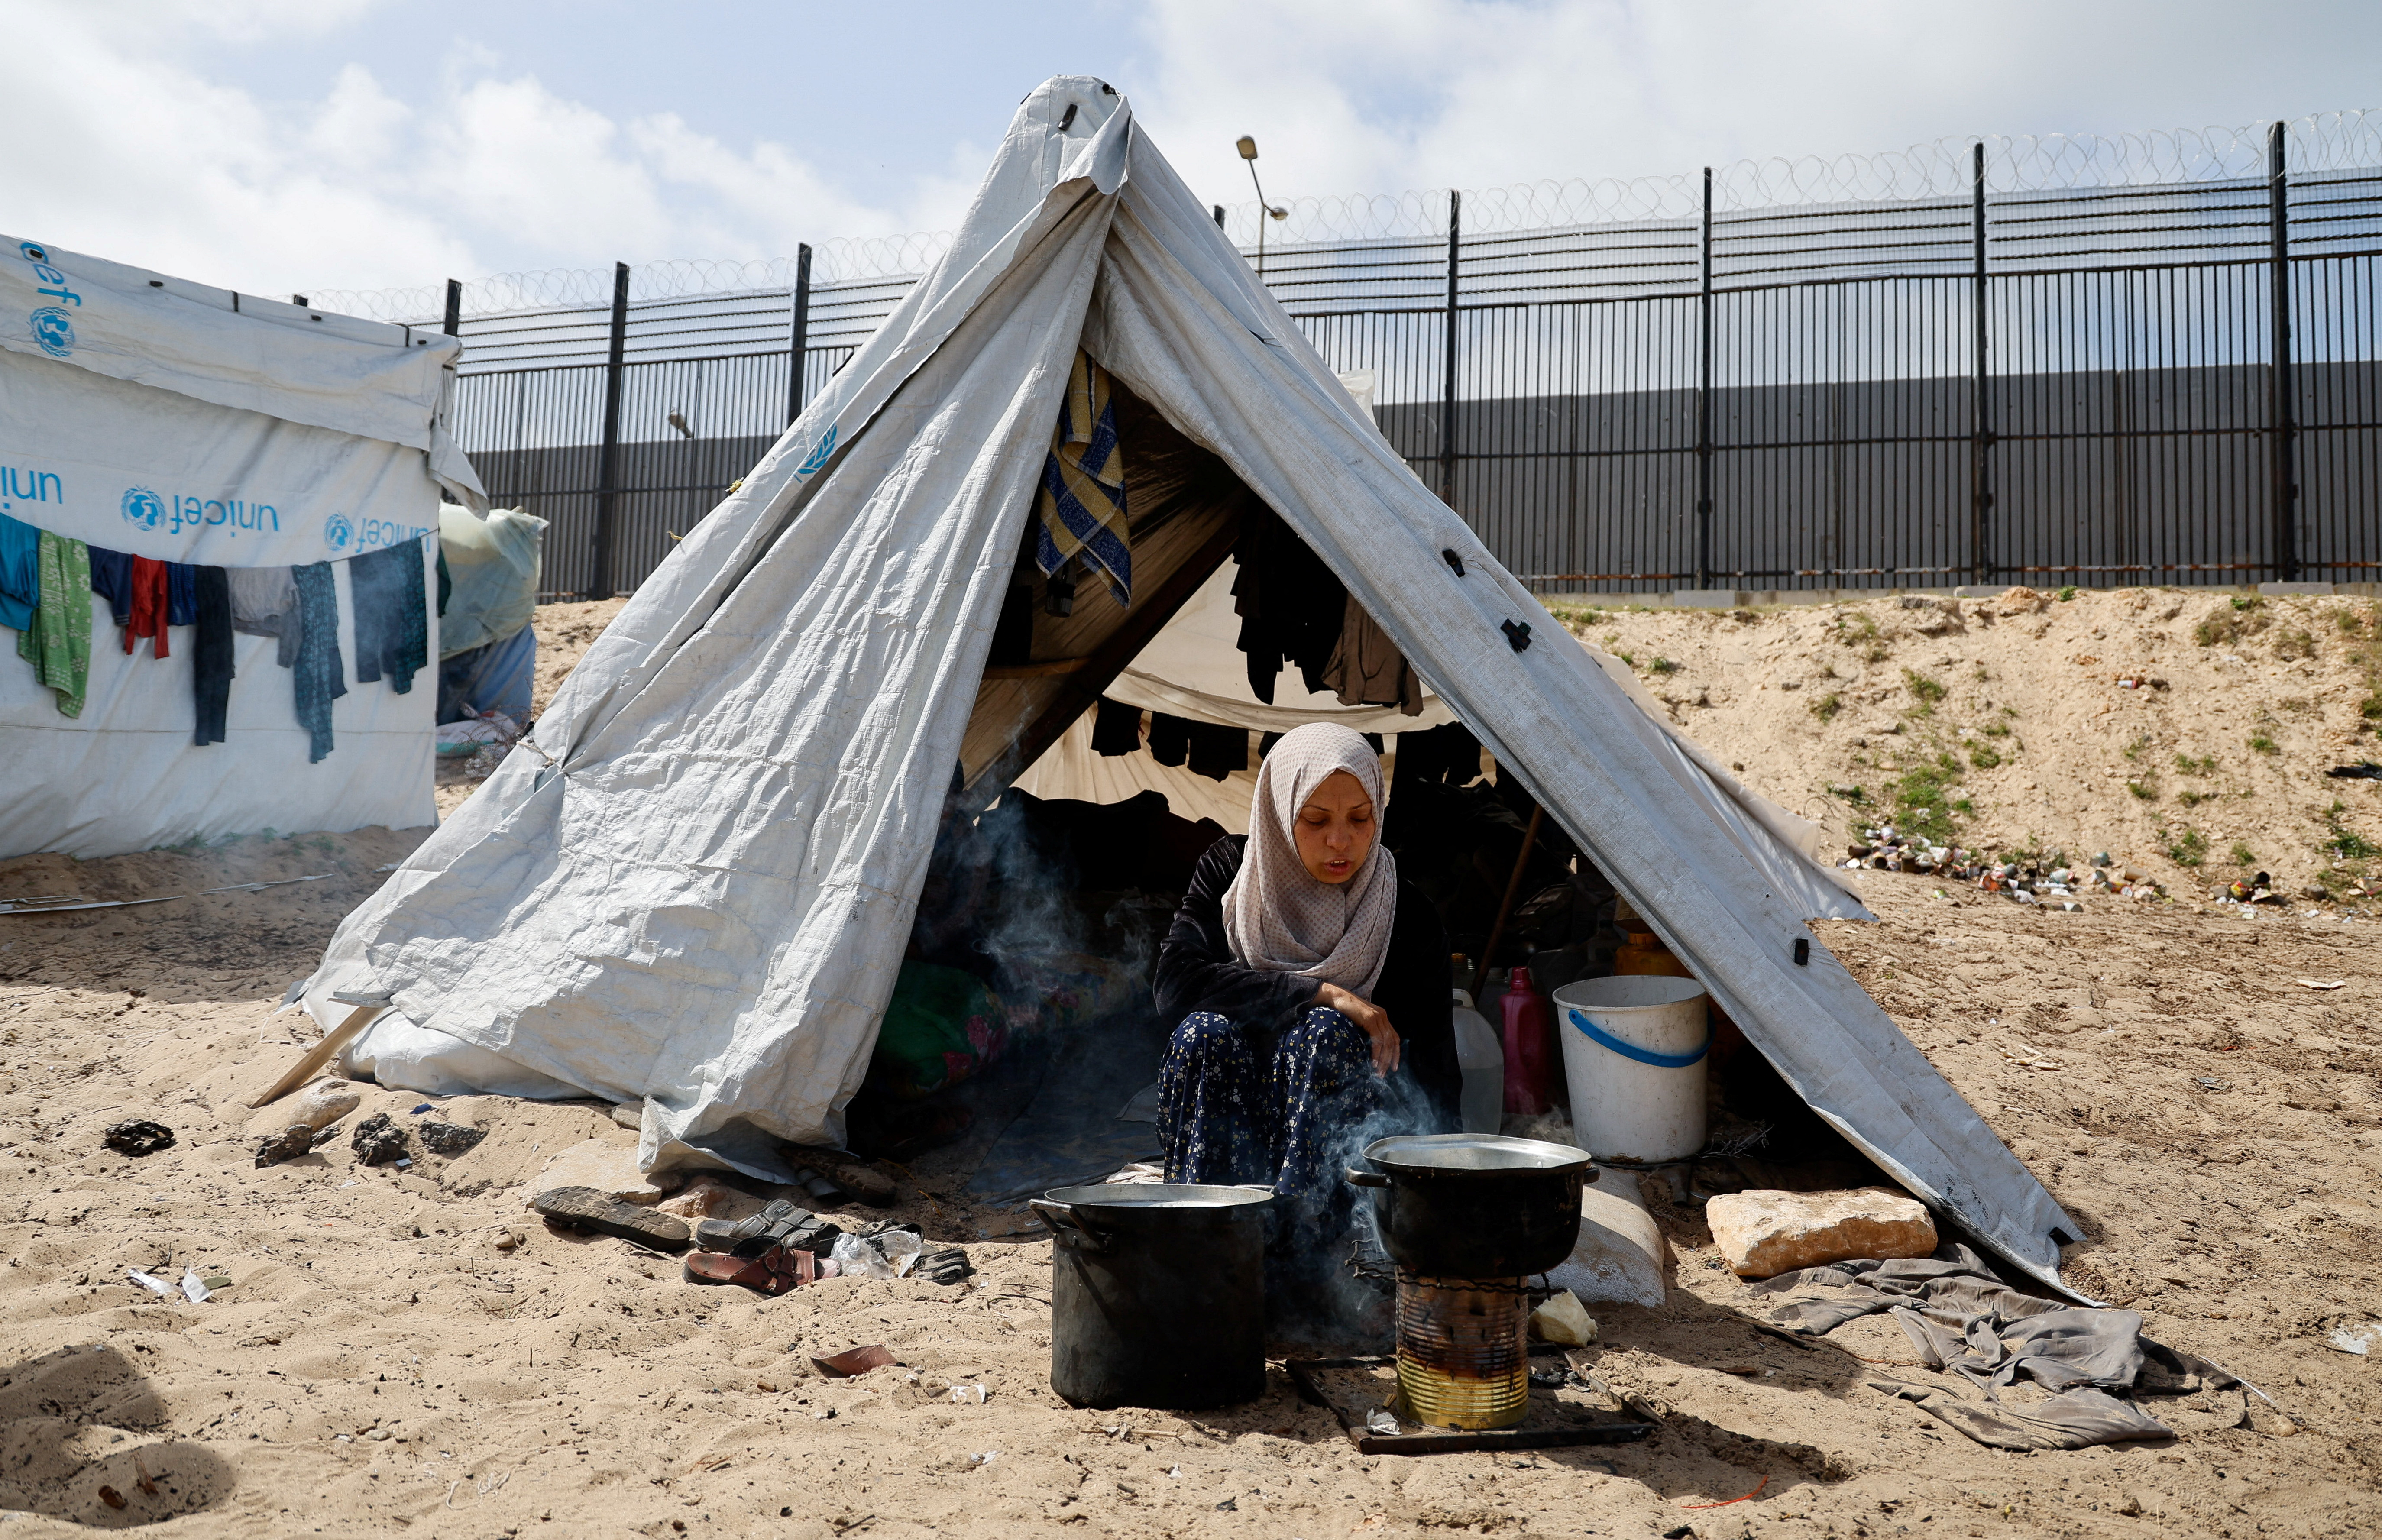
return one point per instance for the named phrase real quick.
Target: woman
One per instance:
(1311, 984)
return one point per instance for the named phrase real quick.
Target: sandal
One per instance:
(775, 1222)
(773, 1272)
(585, 1208)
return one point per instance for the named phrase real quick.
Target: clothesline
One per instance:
(48, 582)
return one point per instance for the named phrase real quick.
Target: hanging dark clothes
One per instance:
(1449, 754)
(1196, 971)
(1170, 738)
(111, 578)
(148, 605)
(392, 628)
(181, 594)
(20, 573)
(1116, 730)
(1290, 604)
(211, 669)
(1217, 752)
(320, 676)
(1366, 668)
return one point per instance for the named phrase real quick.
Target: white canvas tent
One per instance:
(693, 885)
(149, 415)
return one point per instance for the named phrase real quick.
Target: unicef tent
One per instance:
(142, 417)
(693, 885)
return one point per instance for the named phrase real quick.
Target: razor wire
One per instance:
(1941, 169)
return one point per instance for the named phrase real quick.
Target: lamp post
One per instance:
(1248, 149)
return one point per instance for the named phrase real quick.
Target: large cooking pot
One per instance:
(1157, 1294)
(1475, 1206)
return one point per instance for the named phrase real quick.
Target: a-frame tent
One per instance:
(695, 884)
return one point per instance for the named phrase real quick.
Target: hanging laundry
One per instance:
(1116, 730)
(1217, 752)
(392, 623)
(1170, 738)
(20, 573)
(148, 605)
(181, 594)
(58, 645)
(1291, 605)
(111, 578)
(320, 676)
(264, 603)
(211, 668)
(1081, 510)
(1366, 668)
(1448, 754)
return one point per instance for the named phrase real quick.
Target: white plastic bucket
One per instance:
(1634, 1047)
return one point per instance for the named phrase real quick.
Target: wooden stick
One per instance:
(320, 1053)
(1513, 885)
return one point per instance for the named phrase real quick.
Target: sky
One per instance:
(287, 145)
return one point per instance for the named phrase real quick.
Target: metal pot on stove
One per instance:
(1475, 1206)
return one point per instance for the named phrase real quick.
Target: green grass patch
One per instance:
(1929, 691)
(1995, 729)
(1663, 666)
(2204, 766)
(2194, 799)
(1857, 796)
(1827, 706)
(2188, 848)
(2144, 790)
(2370, 708)
(1984, 757)
(1920, 803)
(2242, 855)
(2066, 593)
(2263, 744)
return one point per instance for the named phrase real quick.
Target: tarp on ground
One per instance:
(695, 883)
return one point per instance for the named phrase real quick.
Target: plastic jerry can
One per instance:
(1529, 1068)
(1480, 1055)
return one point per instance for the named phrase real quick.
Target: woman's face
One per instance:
(1335, 828)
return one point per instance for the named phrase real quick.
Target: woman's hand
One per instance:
(1372, 1018)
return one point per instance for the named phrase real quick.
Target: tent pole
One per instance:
(1447, 382)
(1506, 909)
(798, 340)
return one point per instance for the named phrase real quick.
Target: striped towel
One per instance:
(1081, 508)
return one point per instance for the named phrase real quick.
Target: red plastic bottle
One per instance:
(1529, 1048)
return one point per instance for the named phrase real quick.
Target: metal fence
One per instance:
(2143, 366)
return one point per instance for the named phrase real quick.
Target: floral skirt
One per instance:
(1223, 1117)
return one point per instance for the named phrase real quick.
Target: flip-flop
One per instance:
(775, 1222)
(586, 1208)
(773, 1272)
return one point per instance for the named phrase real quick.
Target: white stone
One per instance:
(607, 1166)
(1765, 1232)
(1621, 1256)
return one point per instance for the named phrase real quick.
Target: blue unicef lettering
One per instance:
(143, 509)
(338, 533)
(54, 329)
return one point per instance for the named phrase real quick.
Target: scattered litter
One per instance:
(2365, 771)
(1382, 1421)
(111, 1496)
(2211, 1083)
(855, 1361)
(2323, 984)
(216, 1280)
(194, 1288)
(1563, 1319)
(418, 1111)
(137, 1137)
(2018, 1053)
(159, 1287)
(968, 1395)
(58, 905)
(983, 1458)
(2361, 1340)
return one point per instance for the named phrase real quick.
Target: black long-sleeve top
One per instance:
(1196, 971)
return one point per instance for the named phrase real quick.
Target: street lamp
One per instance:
(1247, 146)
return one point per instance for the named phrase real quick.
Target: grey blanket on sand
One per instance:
(1965, 1321)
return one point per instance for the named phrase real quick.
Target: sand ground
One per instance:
(413, 1353)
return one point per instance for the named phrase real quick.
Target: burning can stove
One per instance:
(1463, 1351)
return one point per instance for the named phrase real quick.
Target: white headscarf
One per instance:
(1278, 916)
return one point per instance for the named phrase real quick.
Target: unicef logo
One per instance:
(54, 329)
(338, 533)
(143, 509)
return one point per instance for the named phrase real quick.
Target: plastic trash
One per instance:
(1381, 1419)
(858, 1258)
(159, 1287)
(194, 1288)
(1563, 1319)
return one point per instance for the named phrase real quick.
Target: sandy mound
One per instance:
(410, 1351)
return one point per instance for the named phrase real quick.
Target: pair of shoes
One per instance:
(585, 1208)
(774, 1271)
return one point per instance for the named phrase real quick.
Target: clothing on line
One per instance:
(111, 578)
(392, 626)
(1116, 728)
(211, 660)
(1448, 754)
(1217, 752)
(1292, 605)
(1366, 668)
(319, 675)
(149, 605)
(1080, 509)
(181, 594)
(1170, 738)
(20, 573)
(58, 644)
(264, 603)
